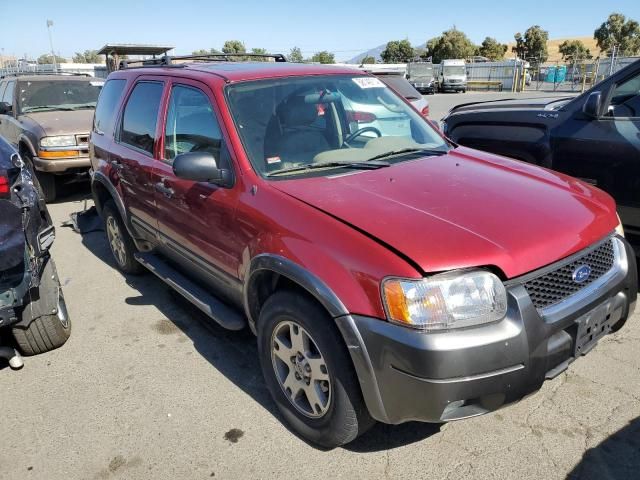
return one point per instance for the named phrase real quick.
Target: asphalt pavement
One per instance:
(147, 388)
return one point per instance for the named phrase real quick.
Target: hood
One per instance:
(62, 122)
(511, 103)
(465, 209)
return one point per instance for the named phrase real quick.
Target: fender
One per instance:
(22, 138)
(113, 193)
(294, 272)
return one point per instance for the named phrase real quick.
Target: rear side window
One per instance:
(140, 116)
(107, 104)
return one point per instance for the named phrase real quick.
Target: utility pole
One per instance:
(53, 55)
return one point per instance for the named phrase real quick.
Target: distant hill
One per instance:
(552, 47)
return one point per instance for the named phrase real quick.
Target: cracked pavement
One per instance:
(145, 388)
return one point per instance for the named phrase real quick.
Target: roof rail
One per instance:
(62, 74)
(181, 60)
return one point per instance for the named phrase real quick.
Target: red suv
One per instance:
(388, 273)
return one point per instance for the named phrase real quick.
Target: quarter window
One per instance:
(140, 116)
(107, 104)
(191, 124)
(7, 96)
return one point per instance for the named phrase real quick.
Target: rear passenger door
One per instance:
(135, 150)
(196, 218)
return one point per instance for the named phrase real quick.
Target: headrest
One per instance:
(296, 112)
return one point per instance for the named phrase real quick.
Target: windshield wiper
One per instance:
(402, 151)
(44, 108)
(314, 166)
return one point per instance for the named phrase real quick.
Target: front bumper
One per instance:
(408, 375)
(61, 165)
(454, 86)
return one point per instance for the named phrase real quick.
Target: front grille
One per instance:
(553, 287)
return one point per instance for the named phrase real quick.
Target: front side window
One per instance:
(191, 124)
(625, 100)
(319, 120)
(43, 95)
(107, 104)
(141, 115)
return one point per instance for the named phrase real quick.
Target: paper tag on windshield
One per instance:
(97, 84)
(272, 160)
(368, 82)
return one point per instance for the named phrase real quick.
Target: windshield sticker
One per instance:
(272, 160)
(368, 82)
(96, 83)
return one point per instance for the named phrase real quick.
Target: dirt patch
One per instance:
(165, 327)
(233, 435)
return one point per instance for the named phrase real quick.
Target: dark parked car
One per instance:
(32, 306)
(48, 118)
(594, 137)
(392, 277)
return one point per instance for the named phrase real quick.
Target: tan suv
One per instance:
(48, 118)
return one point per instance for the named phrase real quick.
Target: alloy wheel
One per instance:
(116, 242)
(301, 369)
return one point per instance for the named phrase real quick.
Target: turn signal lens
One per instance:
(57, 153)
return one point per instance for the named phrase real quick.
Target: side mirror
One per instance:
(591, 107)
(5, 108)
(201, 167)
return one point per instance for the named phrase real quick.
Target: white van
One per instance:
(453, 76)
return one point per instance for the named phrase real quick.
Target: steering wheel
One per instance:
(360, 132)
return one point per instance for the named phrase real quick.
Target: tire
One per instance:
(48, 187)
(339, 414)
(120, 242)
(50, 330)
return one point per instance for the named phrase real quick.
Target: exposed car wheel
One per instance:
(48, 187)
(309, 372)
(120, 242)
(46, 328)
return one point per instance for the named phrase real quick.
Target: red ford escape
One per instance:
(388, 273)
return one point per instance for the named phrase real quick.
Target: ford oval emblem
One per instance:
(581, 273)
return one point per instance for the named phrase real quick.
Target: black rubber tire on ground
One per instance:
(48, 186)
(347, 415)
(126, 261)
(50, 330)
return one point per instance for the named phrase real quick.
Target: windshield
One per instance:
(316, 121)
(454, 70)
(419, 71)
(401, 85)
(42, 95)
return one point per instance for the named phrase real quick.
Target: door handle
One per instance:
(163, 189)
(116, 164)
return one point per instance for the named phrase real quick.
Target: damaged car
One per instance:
(33, 314)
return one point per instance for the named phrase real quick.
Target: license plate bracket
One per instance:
(594, 325)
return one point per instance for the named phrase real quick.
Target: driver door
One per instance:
(605, 151)
(195, 219)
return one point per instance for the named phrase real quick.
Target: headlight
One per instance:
(59, 141)
(619, 229)
(445, 301)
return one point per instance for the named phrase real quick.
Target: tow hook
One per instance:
(11, 354)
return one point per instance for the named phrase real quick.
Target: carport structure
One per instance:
(113, 52)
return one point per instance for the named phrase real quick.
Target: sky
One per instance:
(345, 27)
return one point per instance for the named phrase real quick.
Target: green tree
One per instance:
(88, 56)
(46, 58)
(451, 44)
(533, 45)
(204, 51)
(295, 55)
(397, 51)
(234, 46)
(574, 50)
(368, 60)
(323, 57)
(618, 31)
(492, 49)
(259, 51)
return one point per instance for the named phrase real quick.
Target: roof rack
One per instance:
(181, 60)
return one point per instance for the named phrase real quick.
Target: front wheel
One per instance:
(308, 371)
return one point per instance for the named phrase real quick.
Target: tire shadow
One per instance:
(615, 458)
